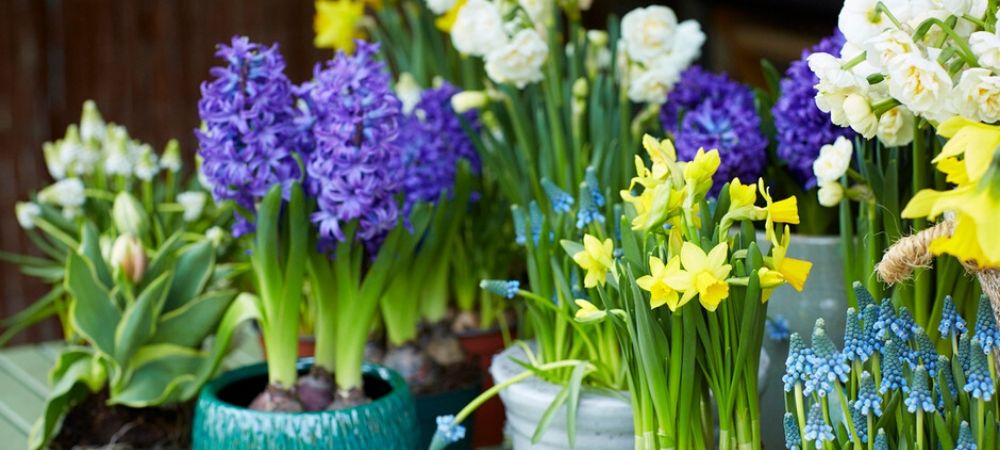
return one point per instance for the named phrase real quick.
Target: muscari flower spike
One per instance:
(860, 424)
(448, 431)
(589, 211)
(904, 327)
(856, 348)
(964, 351)
(829, 364)
(798, 365)
(503, 288)
(817, 430)
(892, 369)
(978, 382)
(881, 442)
(952, 323)
(793, 440)
(864, 297)
(776, 328)
(965, 439)
(868, 402)
(536, 218)
(560, 200)
(926, 352)
(919, 397)
(520, 227)
(886, 317)
(986, 330)
(590, 178)
(871, 334)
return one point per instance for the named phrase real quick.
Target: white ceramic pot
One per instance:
(824, 296)
(603, 422)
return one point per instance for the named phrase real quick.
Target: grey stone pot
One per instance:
(603, 422)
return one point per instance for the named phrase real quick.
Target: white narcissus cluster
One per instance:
(479, 28)
(514, 51)
(519, 62)
(654, 49)
(899, 62)
(833, 161)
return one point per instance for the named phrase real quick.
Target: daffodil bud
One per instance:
(588, 313)
(129, 216)
(580, 88)
(769, 278)
(467, 100)
(597, 38)
(128, 256)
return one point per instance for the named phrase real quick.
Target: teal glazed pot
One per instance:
(222, 420)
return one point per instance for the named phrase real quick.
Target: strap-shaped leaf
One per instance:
(161, 373)
(93, 313)
(90, 247)
(165, 258)
(245, 307)
(194, 268)
(139, 322)
(188, 325)
(74, 384)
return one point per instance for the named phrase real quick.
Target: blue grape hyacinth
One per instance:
(978, 381)
(892, 369)
(448, 431)
(965, 439)
(817, 430)
(952, 323)
(986, 330)
(793, 440)
(872, 335)
(868, 402)
(904, 326)
(560, 200)
(919, 397)
(503, 288)
(798, 365)
(856, 347)
(926, 352)
(829, 364)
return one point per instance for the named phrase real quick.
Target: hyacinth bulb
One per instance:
(128, 257)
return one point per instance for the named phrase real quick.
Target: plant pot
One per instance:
(480, 347)
(824, 296)
(223, 421)
(603, 422)
(430, 406)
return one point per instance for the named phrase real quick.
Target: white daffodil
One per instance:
(687, 43)
(408, 91)
(830, 194)
(833, 160)
(977, 95)
(648, 33)
(887, 45)
(986, 47)
(478, 29)
(835, 84)
(193, 203)
(653, 84)
(26, 213)
(859, 20)
(920, 84)
(895, 127)
(519, 61)
(440, 6)
(859, 114)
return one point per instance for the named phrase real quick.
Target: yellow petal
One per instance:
(717, 257)
(785, 211)
(955, 171)
(447, 20)
(645, 283)
(795, 272)
(713, 295)
(924, 203)
(679, 281)
(693, 257)
(655, 265)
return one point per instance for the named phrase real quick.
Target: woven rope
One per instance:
(913, 252)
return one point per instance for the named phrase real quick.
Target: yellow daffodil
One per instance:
(769, 280)
(447, 20)
(794, 271)
(698, 173)
(742, 198)
(596, 259)
(336, 23)
(655, 283)
(662, 155)
(704, 275)
(973, 140)
(783, 211)
(588, 312)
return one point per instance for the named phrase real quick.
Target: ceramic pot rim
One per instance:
(210, 393)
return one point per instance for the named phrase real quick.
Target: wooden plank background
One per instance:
(141, 61)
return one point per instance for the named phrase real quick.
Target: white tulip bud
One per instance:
(128, 256)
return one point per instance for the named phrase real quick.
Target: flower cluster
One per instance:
(356, 168)
(653, 51)
(712, 111)
(802, 129)
(514, 50)
(250, 135)
(434, 141)
(907, 373)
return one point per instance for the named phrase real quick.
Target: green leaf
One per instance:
(546, 419)
(571, 247)
(575, 381)
(139, 322)
(165, 258)
(38, 311)
(194, 268)
(90, 247)
(92, 311)
(73, 385)
(245, 307)
(162, 374)
(188, 325)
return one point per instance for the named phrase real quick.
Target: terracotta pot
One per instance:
(479, 347)
(223, 421)
(307, 346)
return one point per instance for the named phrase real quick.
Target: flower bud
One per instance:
(588, 312)
(580, 88)
(770, 279)
(171, 159)
(215, 235)
(129, 216)
(464, 101)
(859, 115)
(26, 214)
(598, 38)
(147, 166)
(830, 194)
(408, 91)
(128, 256)
(92, 127)
(193, 203)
